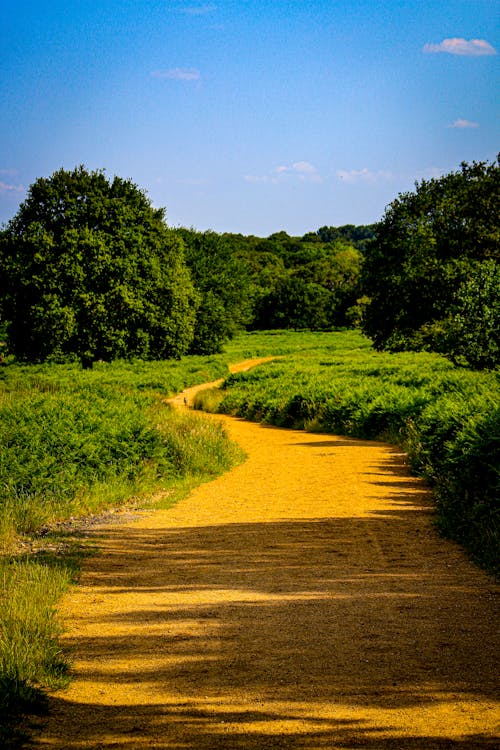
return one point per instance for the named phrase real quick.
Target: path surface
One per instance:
(301, 601)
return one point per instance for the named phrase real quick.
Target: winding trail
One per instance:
(301, 601)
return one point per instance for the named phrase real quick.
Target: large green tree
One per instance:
(426, 265)
(89, 268)
(222, 282)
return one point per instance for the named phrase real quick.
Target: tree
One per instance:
(358, 236)
(337, 268)
(89, 268)
(427, 246)
(471, 335)
(306, 284)
(223, 285)
(297, 304)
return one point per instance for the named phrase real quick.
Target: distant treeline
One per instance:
(311, 282)
(90, 270)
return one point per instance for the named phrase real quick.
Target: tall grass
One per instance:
(29, 653)
(72, 443)
(446, 418)
(30, 656)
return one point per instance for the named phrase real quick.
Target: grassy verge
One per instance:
(74, 443)
(446, 418)
(29, 651)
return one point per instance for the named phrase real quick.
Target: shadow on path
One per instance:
(321, 632)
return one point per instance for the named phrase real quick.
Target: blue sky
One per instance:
(249, 116)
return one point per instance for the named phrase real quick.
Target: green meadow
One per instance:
(75, 442)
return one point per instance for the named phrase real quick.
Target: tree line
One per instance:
(90, 269)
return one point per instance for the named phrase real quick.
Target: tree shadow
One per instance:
(287, 616)
(190, 728)
(308, 634)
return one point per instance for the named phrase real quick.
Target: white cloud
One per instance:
(463, 47)
(301, 170)
(462, 124)
(6, 188)
(364, 175)
(305, 169)
(177, 74)
(199, 10)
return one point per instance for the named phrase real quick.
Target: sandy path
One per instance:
(300, 601)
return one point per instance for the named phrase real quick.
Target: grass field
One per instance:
(76, 442)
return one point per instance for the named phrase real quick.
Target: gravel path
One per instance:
(301, 601)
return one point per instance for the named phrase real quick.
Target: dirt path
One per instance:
(301, 601)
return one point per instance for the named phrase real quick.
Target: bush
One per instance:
(455, 444)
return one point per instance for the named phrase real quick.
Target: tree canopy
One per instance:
(302, 282)
(89, 268)
(222, 282)
(432, 271)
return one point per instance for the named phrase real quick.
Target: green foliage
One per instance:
(74, 442)
(88, 268)
(472, 334)
(295, 304)
(358, 236)
(301, 282)
(56, 445)
(447, 418)
(222, 283)
(432, 271)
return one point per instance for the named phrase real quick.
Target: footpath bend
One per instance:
(301, 601)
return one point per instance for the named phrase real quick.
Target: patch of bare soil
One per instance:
(301, 601)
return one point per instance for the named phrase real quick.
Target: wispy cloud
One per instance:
(464, 47)
(369, 177)
(177, 74)
(6, 188)
(462, 124)
(199, 10)
(364, 175)
(302, 170)
(305, 170)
